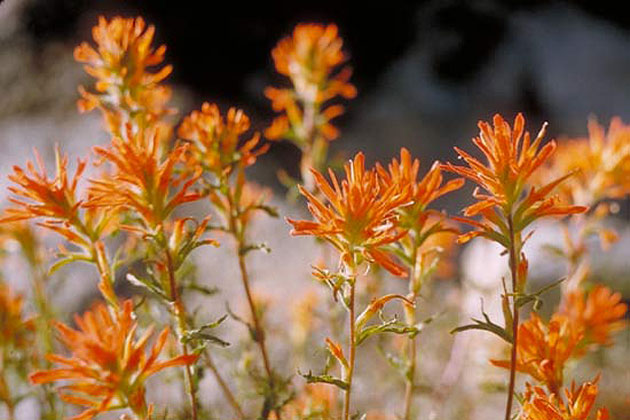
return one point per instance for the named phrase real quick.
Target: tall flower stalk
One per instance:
(216, 147)
(310, 58)
(427, 232)
(359, 218)
(508, 205)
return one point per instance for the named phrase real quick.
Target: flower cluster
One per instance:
(512, 160)
(579, 404)
(142, 180)
(126, 91)
(216, 138)
(109, 366)
(601, 164)
(361, 216)
(309, 58)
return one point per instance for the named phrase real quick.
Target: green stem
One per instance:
(179, 312)
(410, 316)
(352, 349)
(514, 264)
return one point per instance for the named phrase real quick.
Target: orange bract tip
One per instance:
(359, 213)
(512, 157)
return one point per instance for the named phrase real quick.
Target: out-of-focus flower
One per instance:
(512, 159)
(142, 180)
(309, 58)
(108, 367)
(215, 139)
(126, 90)
(316, 401)
(600, 313)
(601, 163)
(543, 349)
(16, 332)
(304, 316)
(579, 404)
(361, 215)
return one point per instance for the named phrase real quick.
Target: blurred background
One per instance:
(426, 72)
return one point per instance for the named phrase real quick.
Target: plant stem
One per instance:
(223, 385)
(514, 264)
(258, 330)
(410, 315)
(179, 311)
(352, 351)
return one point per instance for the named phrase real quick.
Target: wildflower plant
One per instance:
(508, 205)
(159, 191)
(310, 58)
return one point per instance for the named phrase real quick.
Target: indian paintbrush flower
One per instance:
(108, 366)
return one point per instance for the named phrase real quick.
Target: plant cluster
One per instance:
(133, 220)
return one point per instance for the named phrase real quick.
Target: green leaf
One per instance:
(523, 300)
(271, 211)
(201, 335)
(327, 379)
(67, 260)
(149, 284)
(486, 325)
(391, 326)
(254, 247)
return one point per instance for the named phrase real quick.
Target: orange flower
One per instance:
(55, 201)
(125, 89)
(512, 159)
(309, 58)
(108, 367)
(15, 331)
(404, 174)
(600, 313)
(215, 139)
(361, 215)
(539, 405)
(601, 163)
(142, 180)
(543, 349)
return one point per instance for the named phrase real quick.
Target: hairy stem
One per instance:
(352, 351)
(514, 253)
(179, 312)
(410, 315)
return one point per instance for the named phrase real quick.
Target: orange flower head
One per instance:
(215, 139)
(126, 90)
(16, 332)
(600, 313)
(54, 201)
(404, 174)
(309, 58)
(108, 367)
(601, 164)
(512, 159)
(142, 180)
(360, 217)
(579, 404)
(543, 350)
